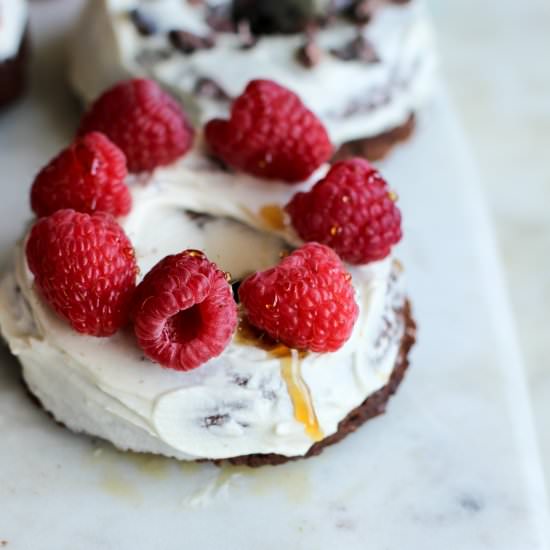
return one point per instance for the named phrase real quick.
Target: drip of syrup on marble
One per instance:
(291, 362)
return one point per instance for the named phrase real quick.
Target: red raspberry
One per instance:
(84, 265)
(270, 134)
(306, 302)
(184, 312)
(88, 176)
(144, 121)
(352, 210)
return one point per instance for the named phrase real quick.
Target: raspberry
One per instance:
(270, 134)
(352, 210)
(144, 121)
(88, 176)
(85, 268)
(306, 302)
(183, 310)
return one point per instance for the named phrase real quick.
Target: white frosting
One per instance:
(109, 48)
(238, 403)
(13, 21)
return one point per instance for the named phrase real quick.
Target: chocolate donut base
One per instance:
(13, 73)
(377, 147)
(373, 406)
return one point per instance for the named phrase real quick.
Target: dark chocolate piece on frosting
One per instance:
(144, 24)
(188, 43)
(215, 420)
(275, 16)
(358, 49)
(309, 54)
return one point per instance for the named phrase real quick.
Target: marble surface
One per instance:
(494, 61)
(453, 464)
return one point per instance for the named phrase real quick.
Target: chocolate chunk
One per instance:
(358, 49)
(206, 87)
(275, 16)
(143, 23)
(188, 43)
(309, 54)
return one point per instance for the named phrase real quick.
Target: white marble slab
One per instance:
(500, 82)
(453, 464)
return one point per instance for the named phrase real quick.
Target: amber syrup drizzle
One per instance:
(273, 216)
(290, 360)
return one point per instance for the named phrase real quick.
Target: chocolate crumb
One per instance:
(358, 49)
(206, 87)
(215, 420)
(240, 380)
(246, 38)
(309, 54)
(188, 43)
(143, 23)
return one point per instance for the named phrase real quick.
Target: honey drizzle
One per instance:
(300, 395)
(290, 360)
(273, 215)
